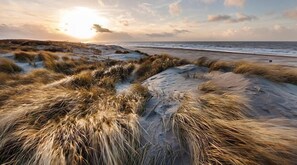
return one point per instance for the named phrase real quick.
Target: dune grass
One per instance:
(47, 117)
(121, 52)
(155, 64)
(22, 56)
(209, 87)
(85, 125)
(37, 76)
(215, 129)
(8, 66)
(271, 72)
(70, 113)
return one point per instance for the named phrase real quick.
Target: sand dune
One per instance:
(100, 104)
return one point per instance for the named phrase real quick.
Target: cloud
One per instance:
(31, 31)
(125, 19)
(274, 33)
(207, 1)
(180, 31)
(168, 34)
(234, 3)
(108, 3)
(175, 8)
(124, 22)
(217, 18)
(146, 8)
(100, 29)
(292, 14)
(239, 17)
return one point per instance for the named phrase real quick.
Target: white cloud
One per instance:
(175, 8)
(234, 3)
(108, 3)
(146, 8)
(274, 33)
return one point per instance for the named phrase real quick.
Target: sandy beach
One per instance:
(195, 54)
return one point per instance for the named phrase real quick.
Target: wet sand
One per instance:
(195, 54)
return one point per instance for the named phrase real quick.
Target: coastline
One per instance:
(193, 54)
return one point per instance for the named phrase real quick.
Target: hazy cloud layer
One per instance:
(175, 32)
(32, 32)
(235, 3)
(155, 20)
(291, 14)
(239, 17)
(175, 8)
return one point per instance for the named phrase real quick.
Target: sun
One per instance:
(78, 22)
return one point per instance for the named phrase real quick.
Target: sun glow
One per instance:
(79, 22)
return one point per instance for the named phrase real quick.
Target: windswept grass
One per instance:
(209, 87)
(4, 77)
(204, 61)
(121, 52)
(37, 77)
(83, 79)
(215, 129)
(22, 56)
(140, 52)
(63, 126)
(155, 64)
(271, 72)
(8, 66)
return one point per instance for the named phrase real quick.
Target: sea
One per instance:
(264, 48)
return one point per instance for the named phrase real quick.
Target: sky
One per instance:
(142, 20)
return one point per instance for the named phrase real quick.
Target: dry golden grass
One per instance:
(121, 52)
(204, 61)
(45, 56)
(48, 118)
(38, 77)
(140, 52)
(271, 72)
(4, 77)
(221, 66)
(63, 126)
(42, 76)
(81, 122)
(155, 64)
(83, 79)
(8, 92)
(22, 56)
(209, 87)
(65, 58)
(215, 129)
(8, 66)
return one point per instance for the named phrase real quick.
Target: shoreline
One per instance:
(193, 54)
(219, 51)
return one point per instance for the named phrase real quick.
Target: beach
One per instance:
(195, 54)
(106, 104)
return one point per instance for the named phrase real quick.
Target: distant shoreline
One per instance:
(219, 51)
(194, 54)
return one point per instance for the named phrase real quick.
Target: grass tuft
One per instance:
(22, 56)
(8, 66)
(122, 52)
(271, 72)
(155, 64)
(215, 129)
